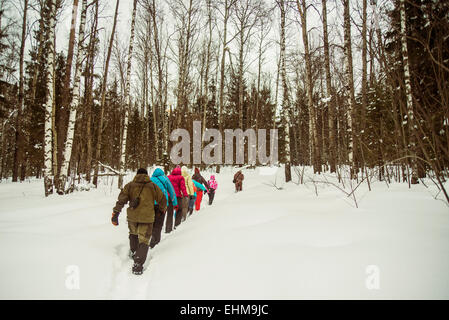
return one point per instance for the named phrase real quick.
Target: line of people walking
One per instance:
(153, 200)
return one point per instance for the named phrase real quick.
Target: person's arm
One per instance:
(123, 199)
(172, 193)
(182, 185)
(203, 181)
(159, 197)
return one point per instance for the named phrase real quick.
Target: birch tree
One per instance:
(410, 119)
(127, 97)
(349, 85)
(329, 92)
(316, 156)
(285, 93)
(74, 105)
(49, 109)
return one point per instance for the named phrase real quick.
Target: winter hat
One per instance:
(142, 171)
(212, 177)
(197, 170)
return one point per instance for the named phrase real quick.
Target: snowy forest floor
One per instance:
(262, 243)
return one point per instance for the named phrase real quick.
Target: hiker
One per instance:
(187, 205)
(178, 183)
(161, 180)
(199, 189)
(141, 194)
(213, 185)
(238, 180)
(199, 195)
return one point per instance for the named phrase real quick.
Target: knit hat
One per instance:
(142, 171)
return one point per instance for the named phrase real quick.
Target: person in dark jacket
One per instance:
(199, 194)
(161, 180)
(238, 180)
(178, 183)
(141, 194)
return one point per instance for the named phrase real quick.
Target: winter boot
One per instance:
(139, 258)
(133, 244)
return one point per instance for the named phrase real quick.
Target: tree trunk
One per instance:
(330, 93)
(285, 95)
(349, 86)
(408, 94)
(74, 105)
(313, 128)
(127, 97)
(48, 125)
(19, 145)
(103, 97)
(64, 109)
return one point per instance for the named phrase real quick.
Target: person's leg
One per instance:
(157, 228)
(199, 197)
(191, 205)
(144, 231)
(185, 208)
(178, 213)
(133, 238)
(169, 220)
(211, 197)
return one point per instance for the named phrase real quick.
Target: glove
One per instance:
(114, 218)
(176, 207)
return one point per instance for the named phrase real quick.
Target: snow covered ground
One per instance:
(262, 243)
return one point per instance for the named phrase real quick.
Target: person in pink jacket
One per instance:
(213, 185)
(179, 184)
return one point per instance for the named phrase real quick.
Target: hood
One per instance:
(176, 171)
(184, 171)
(158, 173)
(212, 177)
(141, 178)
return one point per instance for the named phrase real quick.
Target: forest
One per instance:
(355, 88)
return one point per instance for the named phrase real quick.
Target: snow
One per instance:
(262, 243)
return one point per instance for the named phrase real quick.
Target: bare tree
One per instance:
(103, 96)
(349, 87)
(127, 97)
(408, 94)
(316, 156)
(49, 106)
(74, 105)
(329, 92)
(285, 94)
(19, 145)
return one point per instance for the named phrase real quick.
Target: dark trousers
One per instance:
(170, 215)
(182, 204)
(238, 185)
(159, 217)
(211, 195)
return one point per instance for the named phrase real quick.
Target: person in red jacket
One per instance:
(179, 184)
(199, 194)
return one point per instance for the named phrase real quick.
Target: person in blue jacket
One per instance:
(197, 186)
(161, 180)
